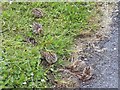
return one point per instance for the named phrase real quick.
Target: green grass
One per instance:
(61, 23)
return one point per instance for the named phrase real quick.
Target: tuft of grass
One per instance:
(21, 64)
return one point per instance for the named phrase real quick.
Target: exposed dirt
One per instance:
(98, 50)
(101, 51)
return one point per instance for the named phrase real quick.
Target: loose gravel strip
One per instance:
(106, 61)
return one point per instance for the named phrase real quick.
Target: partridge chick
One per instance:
(37, 12)
(87, 73)
(37, 28)
(31, 40)
(81, 70)
(77, 66)
(50, 57)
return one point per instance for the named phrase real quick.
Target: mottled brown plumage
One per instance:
(87, 73)
(37, 28)
(77, 65)
(50, 57)
(81, 70)
(37, 12)
(31, 40)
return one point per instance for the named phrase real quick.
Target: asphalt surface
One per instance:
(106, 63)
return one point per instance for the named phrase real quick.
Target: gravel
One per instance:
(106, 62)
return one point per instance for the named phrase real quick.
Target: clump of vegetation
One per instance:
(61, 22)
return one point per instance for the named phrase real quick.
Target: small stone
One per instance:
(10, 1)
(42, 80)
(32, 74)
(115, 49)
(85, 59)
(24, 83)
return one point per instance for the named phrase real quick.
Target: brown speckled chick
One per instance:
(37, 12)
(50, 57)
(81, 69)
(31, 40)
(77, 65)
(87, 73)
(37, 28)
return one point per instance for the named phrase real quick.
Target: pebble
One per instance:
(85, 59)
(115, 49)
(24, 83)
